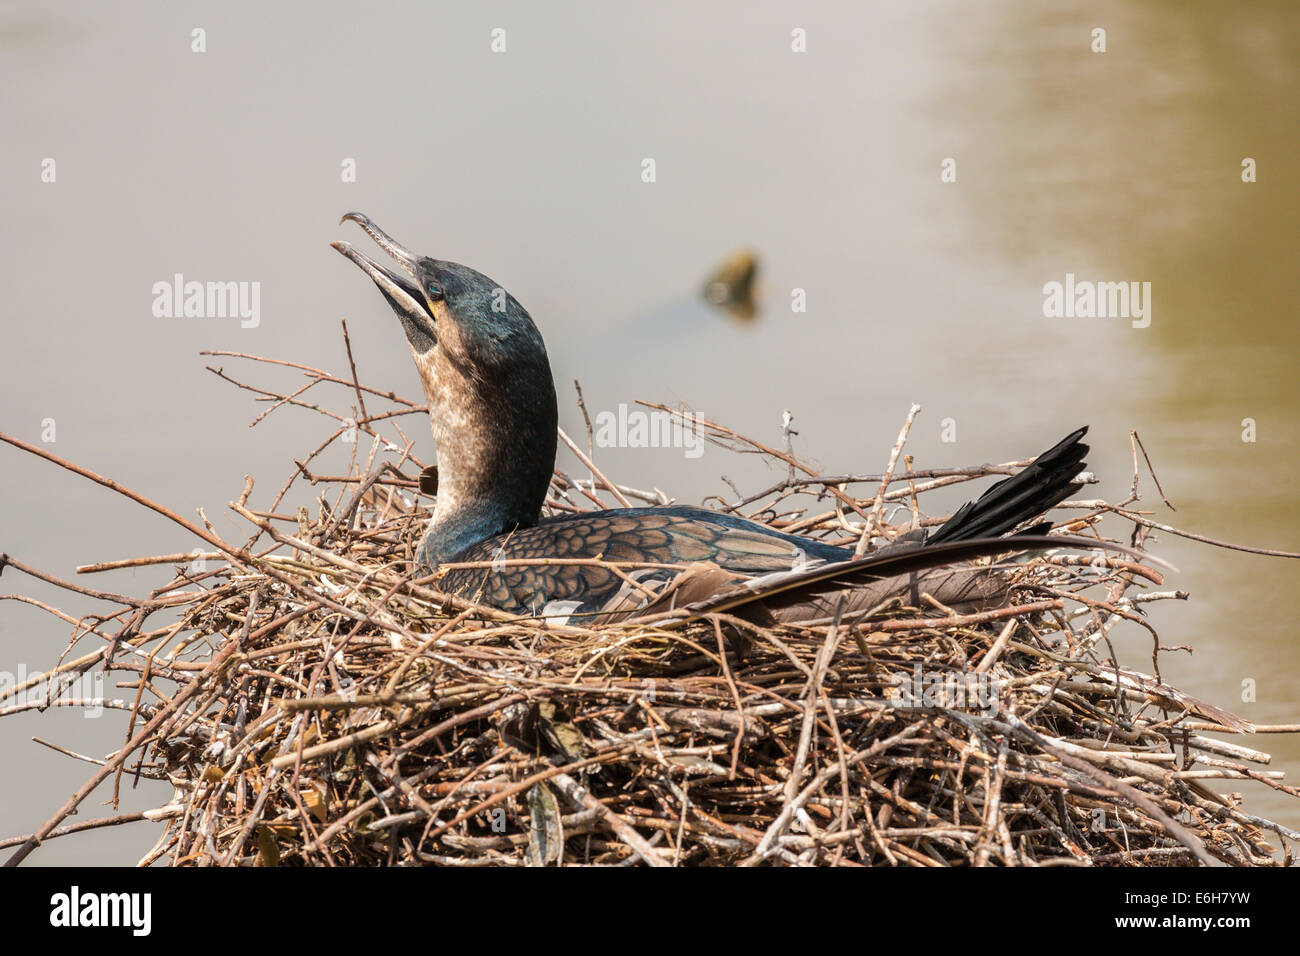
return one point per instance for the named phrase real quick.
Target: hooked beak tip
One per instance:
(386, 242)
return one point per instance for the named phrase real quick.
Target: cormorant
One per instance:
(493, 410)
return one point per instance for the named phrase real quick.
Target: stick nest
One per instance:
(313, 703)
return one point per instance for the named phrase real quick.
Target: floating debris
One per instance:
(732, 286)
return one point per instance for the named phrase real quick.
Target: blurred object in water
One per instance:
(731, 286)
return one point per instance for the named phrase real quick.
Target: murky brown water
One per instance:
(225, 165)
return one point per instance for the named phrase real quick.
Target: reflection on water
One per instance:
(1129, 165)
(1116, 166)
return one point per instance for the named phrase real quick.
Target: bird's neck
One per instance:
(496, 440)
(448, 536)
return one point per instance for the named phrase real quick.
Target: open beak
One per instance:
(400, 288)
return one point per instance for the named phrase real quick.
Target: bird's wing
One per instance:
(654, 546)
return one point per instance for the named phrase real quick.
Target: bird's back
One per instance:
(661, 540)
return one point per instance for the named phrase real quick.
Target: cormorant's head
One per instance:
(487, 379)
(476, 321)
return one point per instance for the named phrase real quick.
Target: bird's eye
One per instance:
(434, 290)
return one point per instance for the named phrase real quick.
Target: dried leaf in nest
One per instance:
(543, 727)
(546, 834)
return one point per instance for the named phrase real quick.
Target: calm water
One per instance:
(225, 165)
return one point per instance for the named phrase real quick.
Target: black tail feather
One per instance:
(1047, 480)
